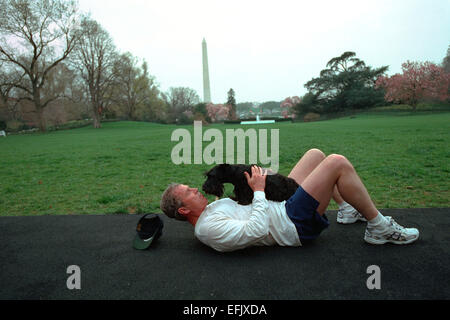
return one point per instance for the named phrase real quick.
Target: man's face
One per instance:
(193, 200)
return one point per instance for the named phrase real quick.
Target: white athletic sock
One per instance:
(378, 221)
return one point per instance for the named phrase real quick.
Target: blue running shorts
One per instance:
(302, 210)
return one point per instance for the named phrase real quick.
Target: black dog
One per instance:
(278, 187)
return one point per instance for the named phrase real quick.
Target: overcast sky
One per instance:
(268, 50)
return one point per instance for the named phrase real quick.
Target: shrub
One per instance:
(14, 125)
(311, 116)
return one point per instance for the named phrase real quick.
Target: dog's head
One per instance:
(215, 179)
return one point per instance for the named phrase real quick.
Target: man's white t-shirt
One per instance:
(226, 225)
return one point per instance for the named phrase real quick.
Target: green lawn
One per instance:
(124, 167)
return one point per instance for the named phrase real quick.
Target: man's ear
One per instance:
(184, 211)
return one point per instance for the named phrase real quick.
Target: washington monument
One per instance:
(206, 87)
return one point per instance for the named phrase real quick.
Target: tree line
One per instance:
(52, 54)
(347, 83)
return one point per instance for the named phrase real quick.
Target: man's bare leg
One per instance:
(337, 196)
(310, 160)
(336, 170)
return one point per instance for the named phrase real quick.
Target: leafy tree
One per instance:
(133, 86)
(231, 101)
(155, 107)
(201, 108)
(231, 97)
(35, 36)
(308, 103)
(419, 80)
(347, 83)
(446, 61)
(94, 58)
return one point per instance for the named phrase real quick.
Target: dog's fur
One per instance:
(278, 187)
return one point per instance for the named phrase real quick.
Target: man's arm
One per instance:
(257, 181)
(226, 234)
(223, 233)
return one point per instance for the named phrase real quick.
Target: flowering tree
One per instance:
(218, 112)
(419, 80)
(287, 106)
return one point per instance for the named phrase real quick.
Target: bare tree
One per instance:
(95, 56)
(180, 100)
(9, 99)
(35, 36)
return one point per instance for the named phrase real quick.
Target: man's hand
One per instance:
(257, 181)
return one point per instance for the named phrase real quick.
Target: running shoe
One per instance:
(392, 232)
(349, 215)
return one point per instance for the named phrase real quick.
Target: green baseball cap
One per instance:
(148, 230)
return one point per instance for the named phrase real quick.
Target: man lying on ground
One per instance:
(225, 225)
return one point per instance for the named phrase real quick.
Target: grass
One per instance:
(125, 166)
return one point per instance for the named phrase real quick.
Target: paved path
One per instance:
(36, 251)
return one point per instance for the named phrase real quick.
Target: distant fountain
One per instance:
(258, 121)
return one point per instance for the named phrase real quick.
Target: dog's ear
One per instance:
(220, 190)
